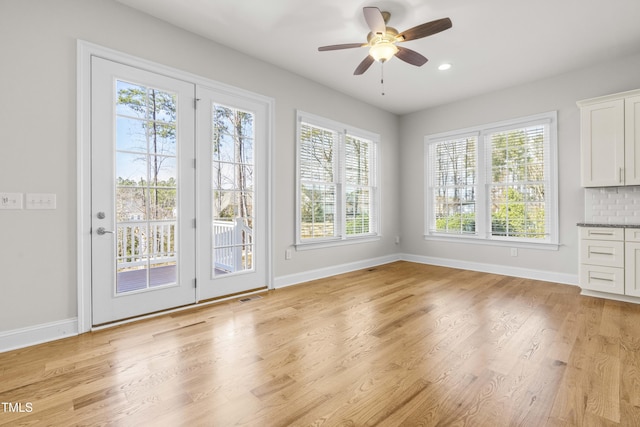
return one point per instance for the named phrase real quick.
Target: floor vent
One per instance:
(251, 298)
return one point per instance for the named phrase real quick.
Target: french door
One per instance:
(232, 190)
(143, 192)
(179, 191)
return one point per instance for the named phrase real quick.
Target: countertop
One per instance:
(594, 224)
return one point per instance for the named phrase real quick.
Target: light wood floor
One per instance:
(400, 344)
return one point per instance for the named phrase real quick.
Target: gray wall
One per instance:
(558, 93)
(38, 146)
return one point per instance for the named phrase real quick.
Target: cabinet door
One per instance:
(632, 140)
(632, 269)
(602, 144)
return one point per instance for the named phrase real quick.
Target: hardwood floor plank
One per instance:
(611, 319)
(630, 386)
(535, 402)
(603, 397)
(437, 401)
(562, 345)
(399, 344)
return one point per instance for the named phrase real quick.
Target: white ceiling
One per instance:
(493, 44)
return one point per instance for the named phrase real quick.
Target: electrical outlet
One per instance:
(287, 254)
(10, 200)
(514, 251)
(41, 201)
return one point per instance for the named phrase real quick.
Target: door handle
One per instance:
(101, 231)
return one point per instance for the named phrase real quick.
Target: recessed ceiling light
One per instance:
(443, 67)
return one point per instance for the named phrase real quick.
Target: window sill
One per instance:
(336, 242)
(547, 246)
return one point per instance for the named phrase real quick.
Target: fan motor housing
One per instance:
(390, 36)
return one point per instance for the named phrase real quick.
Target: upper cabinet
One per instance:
(632, 140)
(610, 140)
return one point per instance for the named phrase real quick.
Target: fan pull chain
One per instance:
(382, 77)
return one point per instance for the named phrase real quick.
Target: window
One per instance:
(455, 182)
(495, 182)
(337, 192)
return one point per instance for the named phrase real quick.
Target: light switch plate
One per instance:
(40, 201)
(10, 200)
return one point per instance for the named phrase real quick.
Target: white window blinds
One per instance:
(518, 181)
(359, 186)
(317, 184)
(454, 185)
(497, 181)
(337, 182)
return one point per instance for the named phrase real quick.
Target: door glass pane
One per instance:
(232, 190)
(131, 135)
(146, 188)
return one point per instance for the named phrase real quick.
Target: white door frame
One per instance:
(85, 51)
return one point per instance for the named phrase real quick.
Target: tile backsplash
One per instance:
(612, 205)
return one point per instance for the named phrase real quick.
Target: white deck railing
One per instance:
(229, 240)
(232, 244)
(138, 245)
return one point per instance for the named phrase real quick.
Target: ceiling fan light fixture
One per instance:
(382, 40)
(383, 51)
(444, 67)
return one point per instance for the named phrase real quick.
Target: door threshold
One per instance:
(198, 304)
(232, 296)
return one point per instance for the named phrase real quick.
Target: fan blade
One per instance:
(364, 65)
(411, 56)
(341, 46)
(374, 19)
(425, 30)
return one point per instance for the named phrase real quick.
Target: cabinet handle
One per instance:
(601, 233)
(601, 278)
(600, 253)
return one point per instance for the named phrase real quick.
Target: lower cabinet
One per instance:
(632, 262)
(602, 259)
(610, 260)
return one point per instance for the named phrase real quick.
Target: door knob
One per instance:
(102, 231)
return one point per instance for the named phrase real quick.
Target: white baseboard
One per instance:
(307, 276)
(607, 295)
(38, 334)
(526, 273)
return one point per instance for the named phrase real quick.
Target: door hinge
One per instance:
(195, 103)
(194, 223)
(194, 163)
(195, 283)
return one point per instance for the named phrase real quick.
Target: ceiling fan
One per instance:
(382, 40)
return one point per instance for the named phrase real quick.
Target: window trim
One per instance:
(483, 217)
(342, 130)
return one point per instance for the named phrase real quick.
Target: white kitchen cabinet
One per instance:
(610, 140)
(632, 140)
(632, 262)
(602, 260)
(610, 262)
